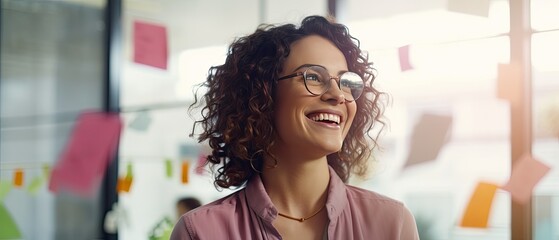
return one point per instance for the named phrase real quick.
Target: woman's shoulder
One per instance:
(364, 200)
(217, 208)
(368, 196)
(222, 212)
(377, 211)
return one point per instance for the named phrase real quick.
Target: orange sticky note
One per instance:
(184, 172)
(124, 184)
(479, 207)
(18, 178)
(120, 185)
(127, 183)
(526, 173)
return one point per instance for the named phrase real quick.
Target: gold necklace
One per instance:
(303, 218)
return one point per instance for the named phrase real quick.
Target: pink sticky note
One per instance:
(200, 164)
(429, 136)
(150, 44)
(404, 56)
(89, 150)
(526, 173)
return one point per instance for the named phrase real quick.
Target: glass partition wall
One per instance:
(52, 55)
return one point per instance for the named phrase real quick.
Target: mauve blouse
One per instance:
(353, 213)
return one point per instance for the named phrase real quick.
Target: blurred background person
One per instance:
(186, 204)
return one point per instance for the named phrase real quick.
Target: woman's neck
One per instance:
(297, 187)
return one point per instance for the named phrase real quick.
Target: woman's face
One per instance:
(306, 124)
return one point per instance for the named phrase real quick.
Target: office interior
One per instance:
(471, 146)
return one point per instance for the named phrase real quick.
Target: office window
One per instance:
(545, 145)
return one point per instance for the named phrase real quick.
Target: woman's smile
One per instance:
(328, 119)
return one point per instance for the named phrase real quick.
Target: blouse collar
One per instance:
(259, 201)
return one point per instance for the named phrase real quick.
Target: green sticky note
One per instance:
(169, 168)
(129, 170)
(5, 188)
(141, 122)
(9, 229)
(35, 185)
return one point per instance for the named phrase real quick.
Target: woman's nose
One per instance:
(334, 93)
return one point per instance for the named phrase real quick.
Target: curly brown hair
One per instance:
(237, 117)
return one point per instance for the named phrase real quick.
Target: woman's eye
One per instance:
(313, 77)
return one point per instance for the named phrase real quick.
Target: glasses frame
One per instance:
(338, 81)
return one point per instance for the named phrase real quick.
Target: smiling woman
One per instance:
(287, 116)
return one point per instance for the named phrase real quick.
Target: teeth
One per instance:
(326, 117)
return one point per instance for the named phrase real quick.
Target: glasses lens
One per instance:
(352, 85)
(317, 81)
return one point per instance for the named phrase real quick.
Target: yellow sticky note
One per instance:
(479, 207)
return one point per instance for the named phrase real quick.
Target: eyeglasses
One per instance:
(318, 81)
